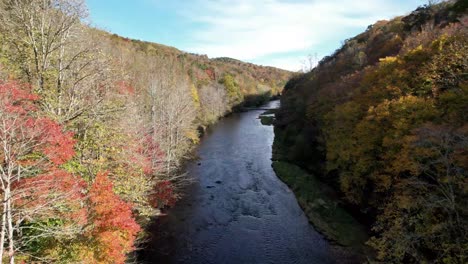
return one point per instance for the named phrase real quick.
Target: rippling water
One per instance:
(237, 210)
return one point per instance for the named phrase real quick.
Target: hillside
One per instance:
(95, 129)
(383, 121)
(251, 80)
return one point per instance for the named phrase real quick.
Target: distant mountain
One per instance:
(252, 79)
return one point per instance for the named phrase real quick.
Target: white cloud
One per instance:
(292, 63)
(252, 29)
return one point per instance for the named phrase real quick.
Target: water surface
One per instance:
(237, 210)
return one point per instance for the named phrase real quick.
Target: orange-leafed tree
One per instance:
(113, 227)
(34, 186)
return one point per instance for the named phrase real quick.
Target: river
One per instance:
(237, 210)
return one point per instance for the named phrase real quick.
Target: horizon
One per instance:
(247, 30)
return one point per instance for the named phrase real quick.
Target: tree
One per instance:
(213, 102)
(56, 53)
(41, 29)
(33, 184)
(232, 89)
(172, 112)
(428, 211)
(309, 63)
(134, 162)
(113, 226)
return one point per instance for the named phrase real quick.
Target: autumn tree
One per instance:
(56, 53)
(35, 187)
(132, 109)
(172, 113)
(135, 160)
(391, 130)
(113, 228)
(214, 103)
(59, 56)
(428, 212)
(232, 89)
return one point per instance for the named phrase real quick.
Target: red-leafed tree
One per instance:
(33, 185)
(114, 227)
(164, 195)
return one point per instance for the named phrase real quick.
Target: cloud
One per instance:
(291, 63)
(252, 29)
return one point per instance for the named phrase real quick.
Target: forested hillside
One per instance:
(384, 121)
(94, 128)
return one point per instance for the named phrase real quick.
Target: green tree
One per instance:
(232, 89)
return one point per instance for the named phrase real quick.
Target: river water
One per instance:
(237, 210)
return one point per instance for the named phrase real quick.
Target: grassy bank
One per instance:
(321, 206)
(267, 120)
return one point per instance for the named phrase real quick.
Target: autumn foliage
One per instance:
(33, 177)
(96, 103)
(164, 195)
(34, 186)
(113, 226)
(383, 121)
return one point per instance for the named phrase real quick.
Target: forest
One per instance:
(95, 128)
(383, 121)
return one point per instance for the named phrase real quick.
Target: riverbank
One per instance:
(320, 203)
(322, 207)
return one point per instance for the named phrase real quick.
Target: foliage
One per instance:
(214, 103)
(100, 103)
(114, 229)
(390, 133)
(232, 88)
(35, 189)
(428, 210)
(164, 195)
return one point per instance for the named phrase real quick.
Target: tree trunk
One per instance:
(3, 227)
(11, 242)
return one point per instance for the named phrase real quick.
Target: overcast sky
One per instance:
(280, 33)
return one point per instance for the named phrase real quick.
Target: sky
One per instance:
(279, 33)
